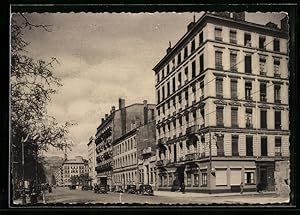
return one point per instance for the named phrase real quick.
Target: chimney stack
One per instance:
(169, 48)
(102, 120)
(106, 115)
(121, 103)
(123, 115)
(284, 24)
(145, 112)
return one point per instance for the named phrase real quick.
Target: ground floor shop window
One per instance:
(189, 178)
(165, 180)
(204, 179)
(160, 181)
(249, 177)
(196, 180)
(221, 177)
(170, 179)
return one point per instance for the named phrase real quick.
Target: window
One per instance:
(187, 118)
(186, 95)
(235, 145)
(201, 63)
(218, 34)
(162, 74)
(249, 146)
(157, 75)
(193, 69)
(174, 101)
(220, 116)
(202, 115)
(173, 82)
(163, 92)
(277, 93)
(247, 40)
(248, 64)
(204, 179)
(276, 45)
(263, 92)
(234, 117)
(277, 146)
(168, 88)
(189, 178)
(263, 119)
(262, 41)
(202, 90)
(233, 89)
(201, 38)
(179, 98)
(193, 46)
(179, 80)
(196, 180)
(173, 64)
(248, 118)
(233, 62)
(180, 121)
(219, 87)
(232, 35)
(178, 58)
(163, 109)
(248, 90)
(168, 69)
(220, 145)
(262, 66)
(249, 177)
(276, 67)
(185, 52)
(277, 119)
(186, 73)
(264, 146)
(218, 60)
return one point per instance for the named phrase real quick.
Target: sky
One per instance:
(104, 56)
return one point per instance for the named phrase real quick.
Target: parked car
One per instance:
(72, 187)
(145, 190)
(85, 187)
(102, 189)
(131, 189)
(119, 189)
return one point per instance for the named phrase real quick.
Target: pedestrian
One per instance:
(33, 196)
(242, 187)
(183, 188)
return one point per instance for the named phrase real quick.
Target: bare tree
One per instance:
(32, 85)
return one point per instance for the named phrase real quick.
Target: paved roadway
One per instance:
(65, 195)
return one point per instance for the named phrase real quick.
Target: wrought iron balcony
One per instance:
(191, 130)
(146, 151)
(277, 75)
(192, 156)
(263, 73)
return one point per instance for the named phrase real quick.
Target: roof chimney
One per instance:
(284, 24)
(121, 103)
(102, 119)
(106, 115)
(169, 48)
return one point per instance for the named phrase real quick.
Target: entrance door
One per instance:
(263, 178)
(270, 179)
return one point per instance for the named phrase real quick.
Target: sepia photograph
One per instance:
(152, 108)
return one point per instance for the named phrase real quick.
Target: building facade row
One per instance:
(222, 106)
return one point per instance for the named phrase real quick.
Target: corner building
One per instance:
(222, 106)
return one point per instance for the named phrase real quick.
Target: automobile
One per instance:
(102, 189)
(131, 189)
(119, 189)
(145, 190)
(85, 187)
(72, 187)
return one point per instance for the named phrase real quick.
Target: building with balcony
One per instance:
(128, 148)
(222, 105)
(92, 160)
(113, 129)
(69, 168)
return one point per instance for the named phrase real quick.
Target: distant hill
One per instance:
(51, 165)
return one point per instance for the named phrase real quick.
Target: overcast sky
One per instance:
(103, 57)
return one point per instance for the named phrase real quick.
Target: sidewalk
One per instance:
(195, 195)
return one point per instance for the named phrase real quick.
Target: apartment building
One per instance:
(92, 160)
(116, 127)
(222, 105)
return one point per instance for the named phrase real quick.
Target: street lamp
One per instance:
(24, 140)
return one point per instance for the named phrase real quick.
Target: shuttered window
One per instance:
(233, 89)
(234, 117)
(201, 63)
(219, 87)
(233, 63)
(218, 60)
(277, 119)
(249, 146)
(264, 146)
(263, 119)
(248, 64)
(220, 116)
(220, 146)
(234, 145)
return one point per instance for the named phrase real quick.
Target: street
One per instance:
(65, 195)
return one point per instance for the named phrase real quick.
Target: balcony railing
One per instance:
(191, 130)
(193, 156)
(277, 75)
(219, 67)
(263, 73)
(233, 41)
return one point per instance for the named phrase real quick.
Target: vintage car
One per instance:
(145, 190)
(131, 189)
